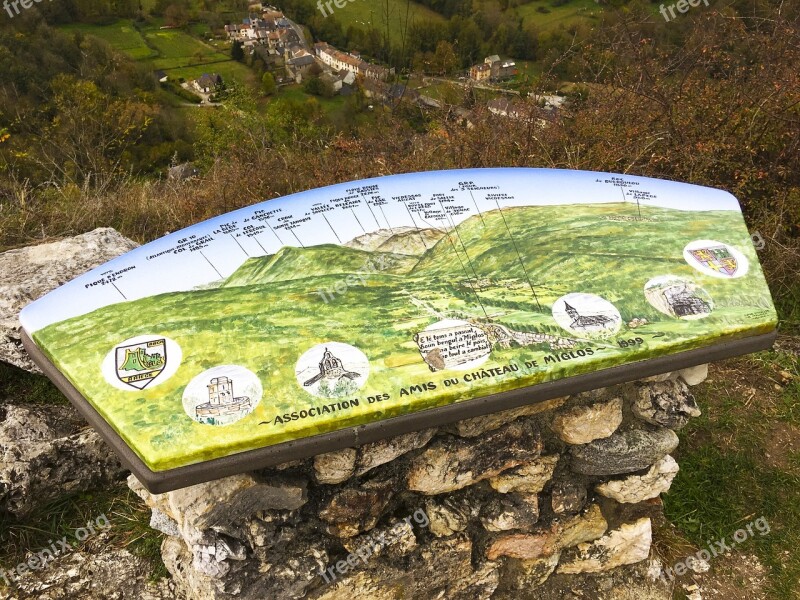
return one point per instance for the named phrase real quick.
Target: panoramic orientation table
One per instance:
(346, 314)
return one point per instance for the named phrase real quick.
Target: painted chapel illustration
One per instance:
(330, 367)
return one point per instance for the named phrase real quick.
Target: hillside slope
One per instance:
(327, 259)
(398, 240)
(592, 250)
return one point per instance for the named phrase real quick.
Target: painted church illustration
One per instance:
(331, 367)
(585, 322)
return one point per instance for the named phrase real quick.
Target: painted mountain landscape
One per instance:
(499, 274)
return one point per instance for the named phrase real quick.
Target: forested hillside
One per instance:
(77, 112)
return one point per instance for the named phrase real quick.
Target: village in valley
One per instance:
(268, 35)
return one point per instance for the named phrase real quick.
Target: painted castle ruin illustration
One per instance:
(139, 360)
(683, 302)
(221, 400)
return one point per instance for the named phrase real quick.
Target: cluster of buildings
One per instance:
(351, 62)
(493, 69)
(546, 110)
(269, 28)
(298, 61)
(279, 42)
(339, 69)
(274, 38)
(269, 34)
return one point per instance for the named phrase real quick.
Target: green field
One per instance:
(366, 14)
(295, 92)
(270, 311)
(335, 109)
(573, 12)
(122, 35)
(174, 51)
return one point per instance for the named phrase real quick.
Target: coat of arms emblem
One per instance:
(137, 365)
(717, 258)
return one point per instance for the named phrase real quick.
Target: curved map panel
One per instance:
(348, 305)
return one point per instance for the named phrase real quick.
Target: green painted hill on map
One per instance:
(317, 261)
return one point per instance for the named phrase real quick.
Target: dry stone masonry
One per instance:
(553, 500)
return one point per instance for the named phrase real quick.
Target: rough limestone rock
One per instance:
(694, 375)
(544, 542)
(625, 452)
(668, 403)
(529, 478)
(384, 451)
(624, 546)
(178, 560)
(567, 497)
(29, 273)
(480, 585)
(335, 467)
(341, 465)
(44, 454)
(394, 541)
(201, 507)
(527, 574)
(511, 511)
(364, 584)
(499, 518)
(292, 569)
(269, 531)
(638, 488)
(107, 573)
(479, 425)
(161, 522)
(441, 569)
(446, 517)
(353, 510)
(449, 465)
(213, 551)
(639, 581)
(584, 424)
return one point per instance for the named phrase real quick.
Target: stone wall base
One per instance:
(554, 500)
